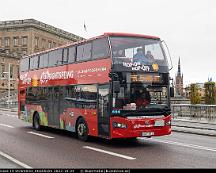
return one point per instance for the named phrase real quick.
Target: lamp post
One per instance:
(8, 74)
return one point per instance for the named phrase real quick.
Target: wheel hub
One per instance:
(81, 129)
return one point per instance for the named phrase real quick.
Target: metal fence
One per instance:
(199, 111)
(13, 104)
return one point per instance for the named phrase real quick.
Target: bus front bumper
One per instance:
(124, 128)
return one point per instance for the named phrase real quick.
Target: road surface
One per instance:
(52, 148)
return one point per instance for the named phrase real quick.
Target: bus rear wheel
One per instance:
(82, 130)
(36, 122)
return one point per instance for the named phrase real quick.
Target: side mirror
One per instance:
(116, 86)
(171, 92)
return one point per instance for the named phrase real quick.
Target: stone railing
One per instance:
(199, 111)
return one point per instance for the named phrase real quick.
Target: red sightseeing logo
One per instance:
(46, 76)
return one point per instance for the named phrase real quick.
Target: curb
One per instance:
(193, 127)
(191, 121)
(195, 132)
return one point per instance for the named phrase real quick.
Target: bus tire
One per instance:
(82, 130)
(36, 122)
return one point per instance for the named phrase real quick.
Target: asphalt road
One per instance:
(52, 148)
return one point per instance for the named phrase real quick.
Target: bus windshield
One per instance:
(141, 92)
(138, 54)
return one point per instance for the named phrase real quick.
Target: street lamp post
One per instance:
(8, 74)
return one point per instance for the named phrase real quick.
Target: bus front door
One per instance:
(103, 114)
(54, 107)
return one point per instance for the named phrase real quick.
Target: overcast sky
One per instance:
(187, 26)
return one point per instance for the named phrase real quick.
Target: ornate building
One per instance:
(179, 81)
(24, 37)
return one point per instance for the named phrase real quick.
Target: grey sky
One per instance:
(187, 26)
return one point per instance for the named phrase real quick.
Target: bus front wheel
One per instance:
(36, 122)
(82, 130)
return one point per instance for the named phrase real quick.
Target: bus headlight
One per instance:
(168, 123)
(119, 125)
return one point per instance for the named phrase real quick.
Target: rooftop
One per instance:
(40, 25)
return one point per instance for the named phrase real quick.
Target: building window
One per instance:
(7, 51)
(24, 52)
(2, 70)
(11, 71)
(24, 40)
(1, 42)
(54, 44)
(49, 45)
(7, 41)
(15, 41)
(15, 53)
(43, 43)
(17, 69)
(37, 41)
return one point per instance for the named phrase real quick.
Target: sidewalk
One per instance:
(194, 127)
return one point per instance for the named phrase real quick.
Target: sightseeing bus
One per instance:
(112, 86)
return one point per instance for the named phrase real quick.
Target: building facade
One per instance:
(9, 68)
(179, 81)
(24, 37)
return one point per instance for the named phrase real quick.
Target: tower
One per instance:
(179, 81)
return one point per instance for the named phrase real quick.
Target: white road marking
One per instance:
(38, 134)
(110, 153)
(10, 115)
(15, 160)
(185, 145)
(5, 125)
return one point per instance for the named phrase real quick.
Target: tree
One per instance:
(210, 93)
(194, 94)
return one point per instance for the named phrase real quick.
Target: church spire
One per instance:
(179, 68)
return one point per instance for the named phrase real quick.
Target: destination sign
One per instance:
(146, 78)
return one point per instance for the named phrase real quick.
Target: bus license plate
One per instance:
(159, 123)
(147, 134)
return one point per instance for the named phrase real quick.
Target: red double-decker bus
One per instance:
(112, 86)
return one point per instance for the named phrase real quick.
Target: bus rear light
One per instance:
(119, 125)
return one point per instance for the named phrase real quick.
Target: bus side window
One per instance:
(43, 62)
(55, 57)
(24, 64)
(84, 52)
(65, 56)
(71, 54)
(100, 48)
(34, 61)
